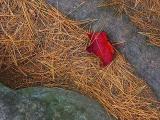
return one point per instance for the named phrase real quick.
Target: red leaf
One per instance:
(101, 47)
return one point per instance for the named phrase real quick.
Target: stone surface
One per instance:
(48, 104)
(16, 107)
(144, 57)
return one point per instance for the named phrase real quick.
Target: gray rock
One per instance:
(145, 58)
(48, 104)
(16, 107)
(66, 105)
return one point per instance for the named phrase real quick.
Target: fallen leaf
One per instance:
(101, 47)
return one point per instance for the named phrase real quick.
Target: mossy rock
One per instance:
(48, 104)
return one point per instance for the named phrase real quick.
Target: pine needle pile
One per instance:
(41, 47)
(143, 13)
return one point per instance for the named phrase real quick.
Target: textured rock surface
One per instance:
(48, 104)
(144, 57)
(16, 107)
